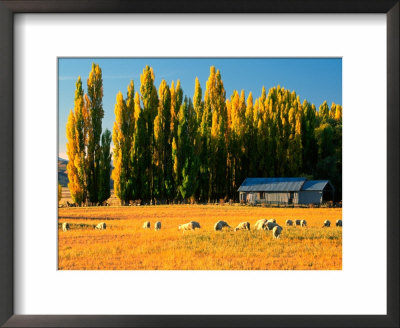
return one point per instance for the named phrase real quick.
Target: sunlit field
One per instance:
(125, 245)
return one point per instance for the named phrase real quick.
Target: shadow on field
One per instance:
(309, 233)
(78, 226)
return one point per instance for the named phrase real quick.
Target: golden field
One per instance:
(125, 245)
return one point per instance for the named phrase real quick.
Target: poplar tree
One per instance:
(309, 143)
(323, 112)
(259, 138)
(236, 147)
(251, 135)
(150, 104)
(204, 159)
(141, 185)
(198, 102)
(96, 114)
(229, 148)
(264, 135)
(294, 152)
(175, 167)
(215, 107)
(162, 148)
(173, 115)
(105, 167)
(187, 151)
(326, 164)
(77, 134)
(180, 145)
(122, 138)
(198, 107)
(176, 102)
(74, 182)
(338, 113)
(182, 148)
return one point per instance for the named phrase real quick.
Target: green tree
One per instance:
(122, 138)
(188, 150)
(141, 184)
(162, 150)
(181, 144)
(198, 107)
(214, 104)
(96, 114)
(149, 99)
(324, 135)
(295, 161)
(198, 103)
(105, 167)
(250, 140)
(309, 142)
(77, 136)
(323, 112)
(176, 102)
(204, 158)
(236, 126)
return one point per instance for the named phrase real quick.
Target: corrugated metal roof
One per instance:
(272, 184)
(315, 185)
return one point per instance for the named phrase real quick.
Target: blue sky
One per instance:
(314, 79)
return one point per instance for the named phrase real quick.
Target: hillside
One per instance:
(63, 175)
(62, 172)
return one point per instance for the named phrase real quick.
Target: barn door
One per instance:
(290, 200)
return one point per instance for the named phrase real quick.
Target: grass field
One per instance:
(124, 245)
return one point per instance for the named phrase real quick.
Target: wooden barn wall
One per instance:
(310, 197)
(279, 197)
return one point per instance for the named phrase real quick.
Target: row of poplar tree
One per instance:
(88, 150)
(168, 147)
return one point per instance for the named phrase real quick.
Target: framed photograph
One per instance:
(199, 180)
(190, 165)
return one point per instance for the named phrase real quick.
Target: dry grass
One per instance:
(66, 196)
(124, 245)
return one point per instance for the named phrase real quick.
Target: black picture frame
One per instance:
(7, 10)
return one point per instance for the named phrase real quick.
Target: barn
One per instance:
(286, 191)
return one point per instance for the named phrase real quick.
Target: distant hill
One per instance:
(62, 172)
(63, 175)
